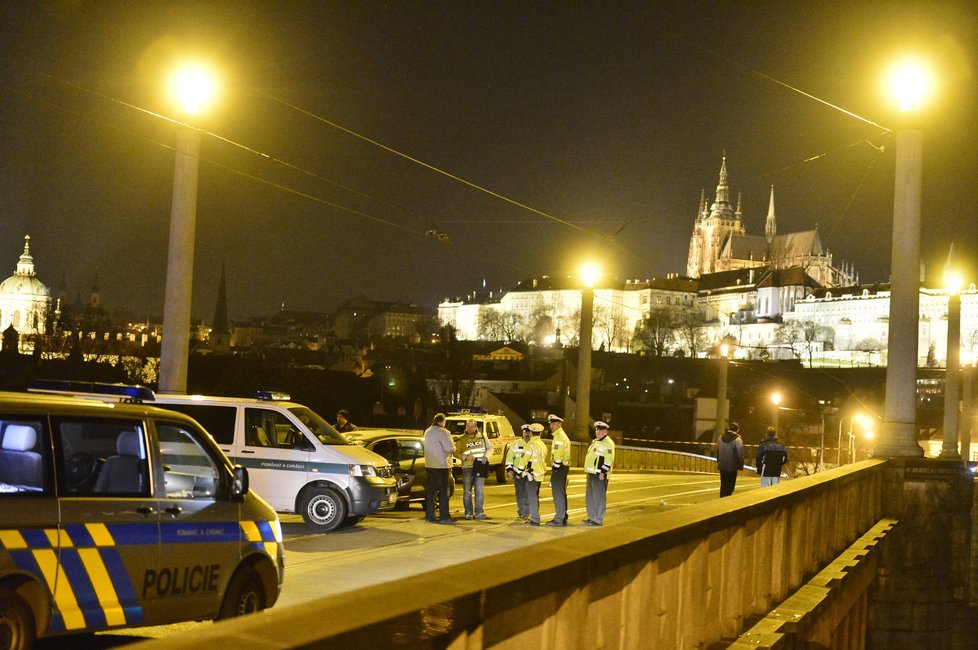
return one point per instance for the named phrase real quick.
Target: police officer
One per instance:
(535, 453)
(600, 457)
(515, 463)
(561, 458)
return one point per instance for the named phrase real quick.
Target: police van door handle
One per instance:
(145, 510)
(247, 451)
(173, 510)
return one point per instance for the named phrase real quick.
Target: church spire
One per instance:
(740, 205)
(702, 211)
(771, 226)
(723, 192)
(25, 265)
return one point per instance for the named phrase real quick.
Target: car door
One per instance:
(109, 530)
(200, 537)
(276, 454)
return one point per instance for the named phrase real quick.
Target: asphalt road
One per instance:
(397, 545)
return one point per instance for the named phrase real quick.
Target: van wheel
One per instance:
(16, 622)
(323, 509)
(501, 469)
(245, 594)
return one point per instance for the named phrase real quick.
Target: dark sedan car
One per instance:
(405, 452)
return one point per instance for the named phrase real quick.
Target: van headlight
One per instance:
(363, 470)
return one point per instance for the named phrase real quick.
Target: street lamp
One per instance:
(858, 417)
(193, 89)
(723, 404)
(910, 84)
(776, 400)
(589, 275)
(949, 438)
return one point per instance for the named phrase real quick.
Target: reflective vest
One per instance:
(561, 449)
(516, 456)
(469, 448)
(535, 454)
(600, 456)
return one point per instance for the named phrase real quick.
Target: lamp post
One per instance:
(949, 438)
(964, 426)
(900, 412)
(723, 404)
(193, 89)
(776, 400)
(582, 418)
(858, 417)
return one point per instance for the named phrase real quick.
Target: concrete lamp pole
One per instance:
(899, 436)
(582, 417)
(723, 403)
(193, 89)
(952, 388)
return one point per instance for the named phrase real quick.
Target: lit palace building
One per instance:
(777, 296)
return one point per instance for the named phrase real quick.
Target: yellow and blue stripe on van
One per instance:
(91, 586)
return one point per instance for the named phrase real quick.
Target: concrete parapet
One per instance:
(686, 578)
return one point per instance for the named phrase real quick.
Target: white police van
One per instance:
(296, 460)
(123, 515)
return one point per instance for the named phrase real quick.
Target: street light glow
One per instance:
(953, 282)
(724, 350)
(776, 398)
(910, 82)
(193, 87)
(590, 274)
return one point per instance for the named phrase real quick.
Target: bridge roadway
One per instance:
(396, 545)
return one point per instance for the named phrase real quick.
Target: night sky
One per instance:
(609, 117)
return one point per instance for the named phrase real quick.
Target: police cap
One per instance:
(601, 425)
(536, 427)
(554, 418)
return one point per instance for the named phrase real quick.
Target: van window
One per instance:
(320, 428)
(24, 457)
(188, 470)
(457, 426)
(102, 457)
(492, 429)
(217, 420)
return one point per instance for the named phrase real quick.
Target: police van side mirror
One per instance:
(239, 483)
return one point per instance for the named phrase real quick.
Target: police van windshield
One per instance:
(457, 427)
(320, 427)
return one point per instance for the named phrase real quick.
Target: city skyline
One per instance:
(610, 119)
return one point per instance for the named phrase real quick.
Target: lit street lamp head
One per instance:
(590, 274)
(193, 87)
(910, 82)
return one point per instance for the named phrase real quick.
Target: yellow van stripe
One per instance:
(53, 535)
(12, 539)
(58, 584)
(251, 532)
(271, 548)
(102, 583)
(100, 534)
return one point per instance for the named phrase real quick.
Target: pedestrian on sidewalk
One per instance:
(535, 454)
(560, 453)
(438, 450)
(730, 458)
(515, 464)
(771, 457)
(597, 464)
(472, 448)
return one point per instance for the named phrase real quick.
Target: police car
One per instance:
(497, 428)
(122, 515)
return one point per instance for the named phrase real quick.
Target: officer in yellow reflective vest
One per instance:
(600, 457)
(561, 458)
(535, 453)
(515, 464)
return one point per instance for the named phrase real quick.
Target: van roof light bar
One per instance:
(125, 392)
(273, 396)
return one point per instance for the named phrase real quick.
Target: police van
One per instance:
(296, 460)
(120, 515)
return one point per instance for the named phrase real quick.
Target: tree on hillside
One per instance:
(655, 334)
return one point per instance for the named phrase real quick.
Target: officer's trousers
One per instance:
(596, 497)
(533, 499)
(558, 484)
(522, 507)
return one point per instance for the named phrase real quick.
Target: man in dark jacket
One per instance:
(730, 458)
(771, 457)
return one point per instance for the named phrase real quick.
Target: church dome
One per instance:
(24, 282)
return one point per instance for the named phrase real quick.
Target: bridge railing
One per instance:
(639, 458)
(684, 578)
